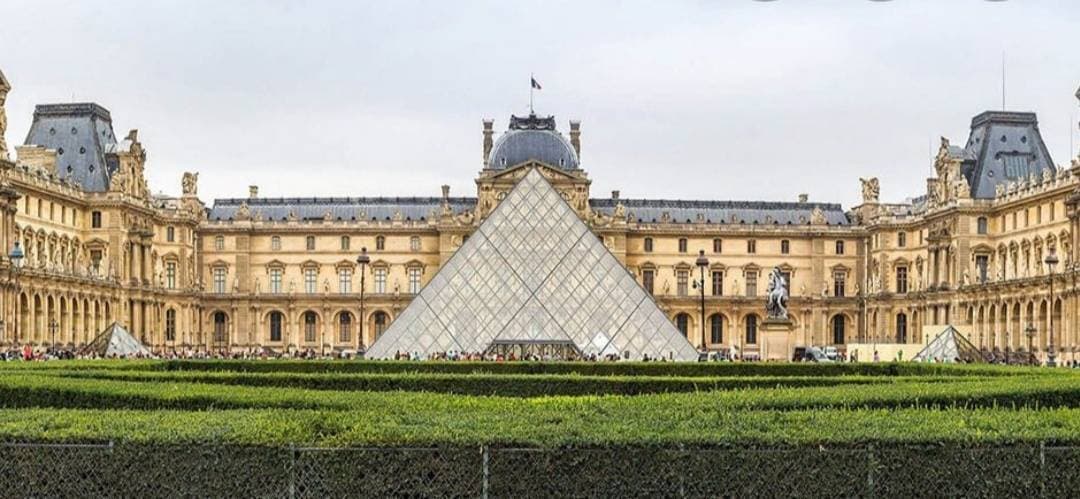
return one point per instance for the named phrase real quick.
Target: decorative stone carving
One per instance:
(190, 183)
(871, 189)
(817, 217)
(5, 87)
(243, 212)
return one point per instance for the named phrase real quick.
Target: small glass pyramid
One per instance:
(949, 346)
(533, 273)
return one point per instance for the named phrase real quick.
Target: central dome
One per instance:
(532, 139)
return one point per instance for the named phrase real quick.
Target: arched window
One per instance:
(344, 326)
(275, 326)
(220, 326)
(839, 329)
(170, 325)
(716, 328)
(901, 328)
(981, 225)
(310, 320)
(682, 321)
(751, 329)
(381, 321)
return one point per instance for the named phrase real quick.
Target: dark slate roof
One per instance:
(347, 208)
(532, 138)
(83, 138)
(1003, 147)
(725, 212)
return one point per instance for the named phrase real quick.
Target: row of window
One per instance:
(751, 246)
(345, 243)
(311, 276)
(716, 282)
(276, 322)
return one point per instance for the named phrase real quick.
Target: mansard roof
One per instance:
(1003, 147)
(340, 208)
(83, 138)
(724, 212)
(425, 208)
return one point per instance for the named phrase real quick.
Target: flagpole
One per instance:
(531, 88)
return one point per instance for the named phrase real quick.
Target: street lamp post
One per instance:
(702, 262)
(363, 260)
(16, 257)
(1051, 260)
(52, 333)
(1031, 336)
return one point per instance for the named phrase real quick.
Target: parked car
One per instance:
(815, 354)
(832, 353)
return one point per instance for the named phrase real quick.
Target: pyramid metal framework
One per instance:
(115, 341)
(533, 272)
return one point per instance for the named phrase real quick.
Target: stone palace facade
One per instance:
(282, 273)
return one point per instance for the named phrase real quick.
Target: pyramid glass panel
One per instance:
(533, 273)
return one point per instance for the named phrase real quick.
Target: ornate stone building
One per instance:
(282, 273)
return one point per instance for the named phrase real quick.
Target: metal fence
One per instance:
(132, 470)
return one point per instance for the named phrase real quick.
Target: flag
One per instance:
(535, 84)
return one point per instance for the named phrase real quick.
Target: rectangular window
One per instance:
(982, 263)
(414, 243)
(682, 245)
(751, 246)
(682, 280)
(787, 281)
(839, 281)
(648, 277)
(414, 280)
(901, 239)
(95, 260)
(751, 283)
(981, 225)
(785, 247)
(275, 280)
(717, 283)
(345, 243)
(648, 245)
(170, 325)
(170, 234)
(344, 281)
(380, 280)
(275, 243)
(1052, 211)
(310, 278)
(717, 245)
(95, 219)
(901, 280)
(219, 280)
(219, 243)
(170, 275)
(309, 243)
(839, 247)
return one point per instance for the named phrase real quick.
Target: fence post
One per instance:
(486, 455)
(1042, 468)
(292, 471)
(871, 465)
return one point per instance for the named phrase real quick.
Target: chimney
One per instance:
(614, 195)
(253, 191)
(575, 137)
(488, 132)
(804, 198)
(445, 192)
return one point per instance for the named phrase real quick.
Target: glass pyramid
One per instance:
(949, 346)
(533, 273)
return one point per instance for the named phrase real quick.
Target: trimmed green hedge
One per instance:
(685, 369)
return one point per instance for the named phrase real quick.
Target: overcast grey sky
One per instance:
(698, 100)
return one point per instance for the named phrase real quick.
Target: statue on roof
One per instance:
(5, 87)
(871, 189)
(190, 183)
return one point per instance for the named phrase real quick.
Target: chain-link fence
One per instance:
(134, 470)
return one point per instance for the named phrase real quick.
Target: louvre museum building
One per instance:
(533, 259)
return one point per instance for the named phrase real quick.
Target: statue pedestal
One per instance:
(777, 342)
